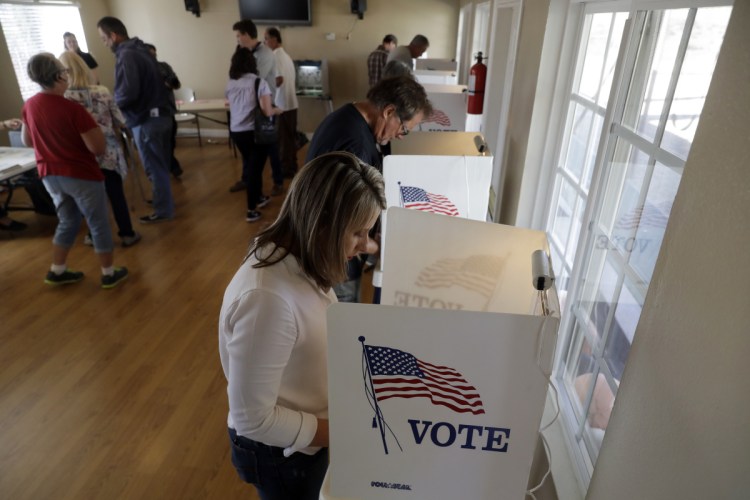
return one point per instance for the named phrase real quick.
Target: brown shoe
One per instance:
(277, 190)
(237, 186)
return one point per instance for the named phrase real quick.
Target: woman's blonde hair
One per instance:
(78, 72)
(332, 194)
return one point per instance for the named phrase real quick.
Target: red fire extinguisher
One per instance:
(477, 79)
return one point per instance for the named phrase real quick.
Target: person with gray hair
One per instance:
(406, 53)
(66, 139)
(393, 107)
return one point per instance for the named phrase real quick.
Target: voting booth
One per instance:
(439, 392)
(452, 172)
(436, 76)
(435, 64)
(448, 108)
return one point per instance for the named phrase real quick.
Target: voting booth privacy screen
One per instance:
(439, 392)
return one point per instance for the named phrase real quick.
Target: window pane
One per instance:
(618, 25)
(596, 132)
(655, 63)
(702, 52)
(579, 136)
(30, 29)
(564, 214)
(595, 52)
(622, 329)
(652, 220)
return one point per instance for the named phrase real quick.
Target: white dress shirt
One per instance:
(286, 94)
(273, 348)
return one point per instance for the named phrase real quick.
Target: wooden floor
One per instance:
(108, 394)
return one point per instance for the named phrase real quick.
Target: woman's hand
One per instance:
(12, 124)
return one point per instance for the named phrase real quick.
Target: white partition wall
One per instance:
(434, 76)
(449, 108)
(443, 399)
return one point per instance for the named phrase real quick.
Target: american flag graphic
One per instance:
(648, 215)
(419, 199)
(477, 273)
(399, 374)
(438, 117)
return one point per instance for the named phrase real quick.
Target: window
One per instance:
(636, 95)
(37, 27)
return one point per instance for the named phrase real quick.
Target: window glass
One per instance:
(687, 104)
(627, 193)
(30, 29)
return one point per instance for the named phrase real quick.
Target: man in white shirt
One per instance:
(407, 53)
(286, 99)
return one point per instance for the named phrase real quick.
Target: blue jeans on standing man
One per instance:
(154, 140)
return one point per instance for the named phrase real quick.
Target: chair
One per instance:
(186, 94)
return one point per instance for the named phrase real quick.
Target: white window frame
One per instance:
(582, 466)
(24, 48)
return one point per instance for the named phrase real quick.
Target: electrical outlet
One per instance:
(330, 36)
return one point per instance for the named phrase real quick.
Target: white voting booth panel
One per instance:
(454, 178)
(442, 402)
(449, 108)
(436, 64)
(433, 76)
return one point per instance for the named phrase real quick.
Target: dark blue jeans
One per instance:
(276, 477)
(253, 160)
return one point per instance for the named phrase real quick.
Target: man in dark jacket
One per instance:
(143, 98)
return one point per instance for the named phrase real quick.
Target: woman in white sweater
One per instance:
(272, 327)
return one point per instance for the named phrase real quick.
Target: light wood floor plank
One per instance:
(119, 393)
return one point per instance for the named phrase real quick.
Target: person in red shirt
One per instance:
(65, 138)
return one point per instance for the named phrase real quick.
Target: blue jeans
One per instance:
(276, 477)
(73, 199)
(154, 140)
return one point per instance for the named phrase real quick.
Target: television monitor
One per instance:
(277, 12)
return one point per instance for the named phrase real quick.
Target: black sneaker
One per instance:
(66, 278)
(237, 187)
(153, 219)
(111, 281)
(263, 201)
(252, 215)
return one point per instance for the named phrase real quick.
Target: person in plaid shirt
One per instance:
(378, 57)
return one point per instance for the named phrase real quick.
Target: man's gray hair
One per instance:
(403, 92)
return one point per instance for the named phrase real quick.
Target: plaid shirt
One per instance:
(375, 64)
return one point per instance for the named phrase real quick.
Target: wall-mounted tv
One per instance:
(277, 12)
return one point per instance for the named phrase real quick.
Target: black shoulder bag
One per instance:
(266, 127)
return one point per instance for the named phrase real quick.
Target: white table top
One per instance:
(202, 106)
(14, 161)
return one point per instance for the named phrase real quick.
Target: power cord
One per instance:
(531, 491)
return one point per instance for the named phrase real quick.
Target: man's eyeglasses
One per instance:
(404, 131)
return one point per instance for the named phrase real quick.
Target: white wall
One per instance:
(679, 428)
(199, 49)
